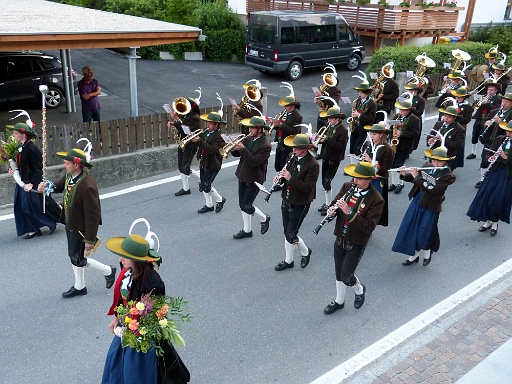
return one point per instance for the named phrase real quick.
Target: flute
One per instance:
(278, 181)
(419, 169)
(328, 218)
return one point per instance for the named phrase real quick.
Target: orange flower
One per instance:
(160, 314)
(134, 325)
(165, 309)
(134, 311)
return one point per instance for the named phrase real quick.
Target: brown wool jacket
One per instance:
(253, 160)
(191, 120)
(364, 222)
(455, 139)
(84, 210)
(303, 181)
(333, 148)
(209, 149)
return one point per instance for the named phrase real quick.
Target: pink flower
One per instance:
(134, 325)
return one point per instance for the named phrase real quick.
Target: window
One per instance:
(261, 34)
(18, 67)
(507, 10)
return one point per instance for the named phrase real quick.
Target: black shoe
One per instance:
(304, 261)
(477, 185)
(182, 192)
(323, 212)
(111, 278)
(242, 234)
(391, 188)
(265, 225)
(52, 229)
(205, 209)
(32, 235)
(283, 265)
(322, 207)
(399, 188)
(220, 205)
(409, 262)
(75, 292)
(333, 307)
(483, 228)
(471, 156)
(494, 231)
(427, 261)
(359, 299)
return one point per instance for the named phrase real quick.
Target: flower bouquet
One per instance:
(151, 320)
(8, 152)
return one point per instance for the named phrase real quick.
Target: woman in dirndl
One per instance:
(493, 200)
(124, 365)
(28, 202)
(418, 233)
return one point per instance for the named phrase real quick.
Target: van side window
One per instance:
(294, 35)
(323, 33)
(345, 33)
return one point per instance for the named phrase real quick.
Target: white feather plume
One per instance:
(309, 128)
(289, 86)
(451, 100)
(250, 106)
(221, 110)
(149, 235)
(256, 83)
(87, 148)
(23, 113)
(466, 66)
(332, 68)
(364, 78)
(334, 103)
(198, 97)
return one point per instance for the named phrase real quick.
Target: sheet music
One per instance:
(447, 65)
(394, 122)
(346, 100)
(167, 108)
(186, 129)
(431, 180)
(373, 75)
(262, 188)
(409, 73)
(315, 90)
(233, 101)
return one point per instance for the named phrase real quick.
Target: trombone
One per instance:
(226, 149)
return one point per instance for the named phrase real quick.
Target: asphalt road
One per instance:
(250, 324)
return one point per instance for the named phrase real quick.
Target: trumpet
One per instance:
(186, 140)
(419, 169)
(320, 135)
(276, 183)
(226, 149)
(175, 134)
(328, 218)
(483, 100)
(278, 116)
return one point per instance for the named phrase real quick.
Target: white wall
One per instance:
(238, 6)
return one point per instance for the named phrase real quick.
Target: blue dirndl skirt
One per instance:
(418, 229)
(28, 212)
(494, 197)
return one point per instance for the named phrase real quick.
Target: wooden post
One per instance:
(469, 17)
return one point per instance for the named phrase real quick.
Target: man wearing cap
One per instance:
(285, 127)
(418, 231)
(254, 151)
(456, 81)
(491, 100)
(210, 142)
(406, 132)
(243, 110)
(448, 133)
(363, 113)
(83, 217)
(299, 191)
(190, 119)
(334, 143)
(357, 207)
(503, 78)
(492, 130)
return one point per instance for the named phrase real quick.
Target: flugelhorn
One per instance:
(320, 135)
(188, 138)
(226, 149)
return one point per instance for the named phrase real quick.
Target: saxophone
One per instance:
(352, 122)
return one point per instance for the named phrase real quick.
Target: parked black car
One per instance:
(21, 74)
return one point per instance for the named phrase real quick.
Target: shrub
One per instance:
(495, 34)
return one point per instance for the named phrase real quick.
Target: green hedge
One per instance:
(404, 57)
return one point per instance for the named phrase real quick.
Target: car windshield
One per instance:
(261, 34)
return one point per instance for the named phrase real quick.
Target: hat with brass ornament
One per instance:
(460, 92)
(439, 153)
(450, 110)
(300, 140)
(506, 126)
(79, 156)
(404, 104)
(361, 170)
(255, 122)
(377, 128)
(215, 116)
(334, 112)
(492, 53)
(136, 247)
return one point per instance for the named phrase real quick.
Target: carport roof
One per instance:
(39, 24)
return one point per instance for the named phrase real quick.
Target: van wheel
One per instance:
(354, 62)
(294, 70)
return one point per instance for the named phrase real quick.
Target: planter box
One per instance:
(194, 56)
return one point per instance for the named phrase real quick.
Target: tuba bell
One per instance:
(252, 93)
(460, 57)
(424, 63)
(181, 106)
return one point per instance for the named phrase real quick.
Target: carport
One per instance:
(43, 25)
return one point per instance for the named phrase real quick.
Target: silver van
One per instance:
(289, 41)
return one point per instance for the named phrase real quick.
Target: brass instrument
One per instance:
(394, 140)
(460, 57)
(386, 72)
(226, 149)
(320, 135)
(330, 79)
(188, 138)
(483, 100)
(175, 134)
(424, 63)
(181, 106)
(278, 116)
(352, 122)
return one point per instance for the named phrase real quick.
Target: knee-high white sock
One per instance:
(414, 257)
(488, 224)
(358, 288)
(289, 251)
(208, 199)
(426, 254)
(216, 196)
(247, 222)
(260, 215)
(184, 182)
(103, 268)
(482, 173)
(195, 174)
(340, 292)
(473, 148)
(79, 277)
(328, 197)
(494, 225)
(393, 177)
(352, 160)
(302, 247)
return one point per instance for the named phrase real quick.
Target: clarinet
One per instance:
(328, 219)
(496, 156)
(481, 138)
(276, 183)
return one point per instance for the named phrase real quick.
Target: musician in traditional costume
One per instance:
(418, 234)
(405, 132)
(448, 133)
(299, 178)
(492, 130)
(185, 115)
(456, 81)
(380, 154)
(253, 151)
(334, 143)
(465, 111)
(493, 200)
(388, 94)
(286, 126)
(357, 207)
(330, 89)
(499, 73)
(209, 144)
(363, 114)
(250, 104)
(490, 101)
(418, 105)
